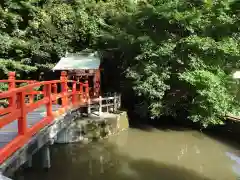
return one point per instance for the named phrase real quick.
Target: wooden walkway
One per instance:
(10, 131)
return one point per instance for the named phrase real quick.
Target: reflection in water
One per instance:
(236, 166)
(141, 155)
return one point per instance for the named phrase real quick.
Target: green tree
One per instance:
(180, 56)
(172, 57)
(34, 34)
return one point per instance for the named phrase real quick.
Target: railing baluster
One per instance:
(31, 95)
(11, 86)
(81, 92)
(54, 86)
(48, 94)
(64, 88)
(115, 103)
(22, 121)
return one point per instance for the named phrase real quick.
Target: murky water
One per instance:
(144, 155)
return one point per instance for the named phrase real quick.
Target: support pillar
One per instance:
(29, 163)
(46, 157)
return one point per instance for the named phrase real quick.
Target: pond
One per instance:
(143, 155)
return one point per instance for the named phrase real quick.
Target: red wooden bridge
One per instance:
(28, 109)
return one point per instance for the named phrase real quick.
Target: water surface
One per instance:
(144, 155)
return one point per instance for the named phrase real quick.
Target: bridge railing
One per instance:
(20, 105)
(12, 82)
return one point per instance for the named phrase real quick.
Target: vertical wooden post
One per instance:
(99, 82)
(81, 93)
(11, 79)
(46, 157)
(100, 105)
(87, 89)
(87, 96)
(22, 121)
(63, 79)
(119, 100)
(31, 96)
(48, 94)
(115, 103)
(54, 86)
(74, 91)
(11, 86)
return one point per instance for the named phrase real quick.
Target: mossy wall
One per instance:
(94, 128)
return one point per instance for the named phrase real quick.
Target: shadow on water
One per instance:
(164, 123)
(225, 137)
(227, 134)
(98, 161)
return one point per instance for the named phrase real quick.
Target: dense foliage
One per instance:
(180, 56)
(176, 57)
(35, 33)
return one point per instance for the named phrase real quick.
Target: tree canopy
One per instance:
(175, 56)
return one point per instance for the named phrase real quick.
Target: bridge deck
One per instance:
(10, 131)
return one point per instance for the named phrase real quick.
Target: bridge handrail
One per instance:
(18, 110)
(5, 94)
(17, 81)
(11, 81)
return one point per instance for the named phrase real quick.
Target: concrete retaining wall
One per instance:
(94, 127)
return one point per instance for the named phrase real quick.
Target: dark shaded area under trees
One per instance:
(169, 58)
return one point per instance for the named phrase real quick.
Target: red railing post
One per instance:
(22, 121)
(54, 86)
(48, 94)
(11, 85)
(31, 95)
(74, 91)
(81, 93)
(63, 79)
(87, 89)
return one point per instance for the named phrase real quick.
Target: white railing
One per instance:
(105, 104)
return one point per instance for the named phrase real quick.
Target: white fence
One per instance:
(104, 104)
